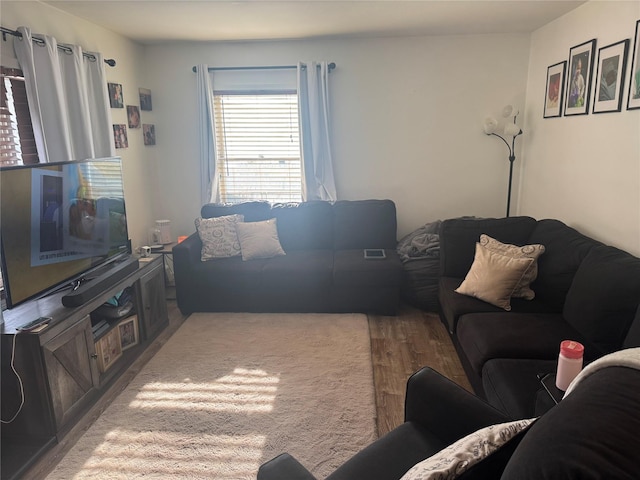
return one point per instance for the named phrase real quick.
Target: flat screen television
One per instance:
(59, 221)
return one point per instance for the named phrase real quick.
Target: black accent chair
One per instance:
(592, 433)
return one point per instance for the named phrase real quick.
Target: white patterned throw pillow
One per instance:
(219, 236)
(460, 456)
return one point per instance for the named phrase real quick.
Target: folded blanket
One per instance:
(629, 357)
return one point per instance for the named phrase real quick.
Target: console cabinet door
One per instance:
(153, 302)
(72, 372)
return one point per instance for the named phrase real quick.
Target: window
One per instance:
(258, 146)
(17, 142)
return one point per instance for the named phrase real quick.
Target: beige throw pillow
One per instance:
(523, 289)
(460, 456)
(493, 277)
(259, 239)
(218, 236)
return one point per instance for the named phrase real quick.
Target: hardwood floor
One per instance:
(400, 345)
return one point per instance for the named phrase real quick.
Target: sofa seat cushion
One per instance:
(512, 385)
(603, 298)
(483, 336)
(391, 456)
(591, 434)
(298, 268)
(352, 269)
(453, 304)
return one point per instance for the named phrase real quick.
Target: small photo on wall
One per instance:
(579, 81)
(115, 95)
(133, 115)
(610, 78)
(555, 90)
(149, 132)
(120, 136)
(633, 100)
(145, 99)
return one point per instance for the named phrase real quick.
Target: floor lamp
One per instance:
(510, 129)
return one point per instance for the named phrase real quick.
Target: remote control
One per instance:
(32, 325)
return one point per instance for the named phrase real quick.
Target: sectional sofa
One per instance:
(316, 264)
(584, 291)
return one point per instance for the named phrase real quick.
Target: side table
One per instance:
(167, 256)
(548, 382)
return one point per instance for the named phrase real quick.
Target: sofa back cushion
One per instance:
(458, 238)
(364, 224)
(304, 226)
(252, 211)
(603, 298)
(565, 248)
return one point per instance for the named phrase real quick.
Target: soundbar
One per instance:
(100, 283)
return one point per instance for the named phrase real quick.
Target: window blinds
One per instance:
(17, 141)
(258, 147)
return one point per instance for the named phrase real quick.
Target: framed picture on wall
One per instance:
(120, 135)
(555, 90)
(612, 64)
(115, 95)
(145, 99)
(579, 78)
(149, 133)
(633, 100)
(133, 116)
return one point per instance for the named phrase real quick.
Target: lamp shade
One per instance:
(511, 130)
(490, 125)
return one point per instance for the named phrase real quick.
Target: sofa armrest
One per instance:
(446, 409)
(283, 467)
(188, 251)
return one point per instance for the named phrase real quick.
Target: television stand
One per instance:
(63, 366)
(93, 287)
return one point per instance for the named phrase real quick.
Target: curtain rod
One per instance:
(332, 65)
(38, 41)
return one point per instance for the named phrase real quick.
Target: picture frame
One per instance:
(149, 133)
(133, 116)
(579, 78)
(109, 349)
(129, 332)
(633, 99)
(120, 135)
(554, 92)
(116, 99)
(611, 69)
(145, 99)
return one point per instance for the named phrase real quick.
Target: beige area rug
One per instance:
(230, 391)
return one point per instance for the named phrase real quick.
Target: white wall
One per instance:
(584, 170)
(407, 119)
(137, 159)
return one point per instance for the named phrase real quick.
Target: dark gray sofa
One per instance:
(324, 269)
(584, 291)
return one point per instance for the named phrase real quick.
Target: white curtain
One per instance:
(315, 144)
(68, 100)
(206, 127)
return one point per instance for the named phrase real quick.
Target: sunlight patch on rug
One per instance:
(128, 453)
(243, 391)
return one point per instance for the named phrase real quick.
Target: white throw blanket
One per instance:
(629, 357)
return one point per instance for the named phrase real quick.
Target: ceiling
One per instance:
(158, 21)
